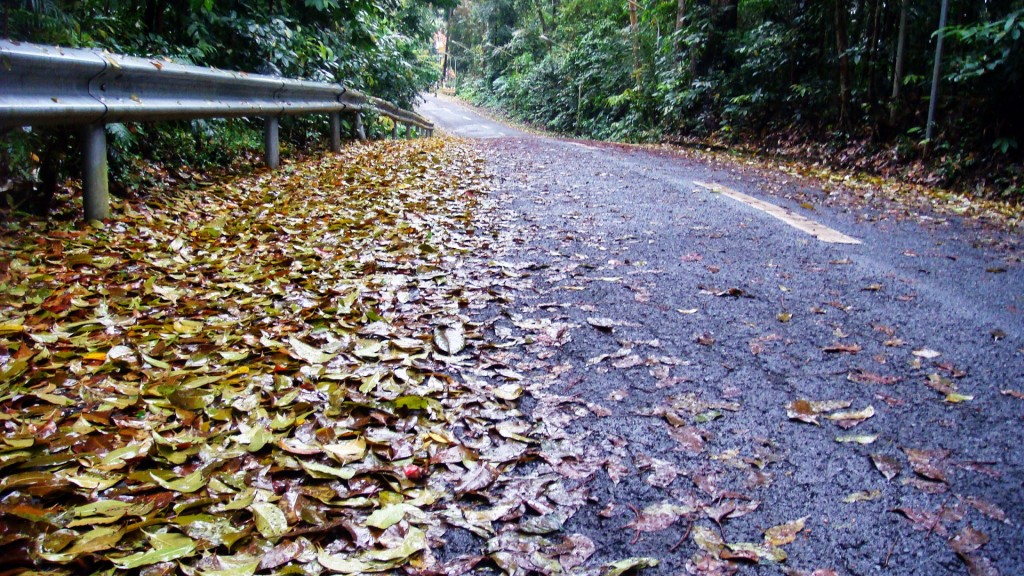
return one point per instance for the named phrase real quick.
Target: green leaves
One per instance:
(164, 548)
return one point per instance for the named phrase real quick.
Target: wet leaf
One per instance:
(863, 440)
(270, 519)
(784, 533)
(707, 539)
(621, 567)
(690, 438)
(450, 338)
(307, 353)
(165, 547)
(863, 496)
(480, 477)
(843, 348)
(968, 540)
(414, 541)
(188, 484)
(852, 418)
(924, 520)
(388, 516)
(930, 464)
(341, 563)
(887, 465)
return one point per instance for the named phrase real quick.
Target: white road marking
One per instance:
(584, 146)
(819, 231)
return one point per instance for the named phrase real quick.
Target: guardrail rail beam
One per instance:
(50, 85)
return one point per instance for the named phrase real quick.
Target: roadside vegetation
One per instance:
(845, 83)
(380, 47)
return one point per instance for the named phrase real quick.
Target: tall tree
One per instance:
(842, 50)
(897, 68)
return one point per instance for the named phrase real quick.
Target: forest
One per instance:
(381, 47)
(845, 84)
(842, 82)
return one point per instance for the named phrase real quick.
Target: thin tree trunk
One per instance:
(680, 23)
(634, 29)
(543, 22)
(447, 45)
(729, 19)
(876, 11)
(844, 62)
(680, 14)
(897, 74)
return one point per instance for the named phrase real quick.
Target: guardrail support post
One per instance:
(95, 186)
(335, 132)
(360, 131)
(271, 141)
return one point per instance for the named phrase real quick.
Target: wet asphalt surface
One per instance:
(725, 315)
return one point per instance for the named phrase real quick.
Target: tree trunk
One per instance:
(634, 30)
(447, 44)
(842, 47)
(876, 11)
(680, 15)
(897, 74)
(154, 17)
(543, 23)
(729, 18)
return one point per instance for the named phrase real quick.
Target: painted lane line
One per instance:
(819, 231)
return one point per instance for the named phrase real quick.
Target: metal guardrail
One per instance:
(49, 85)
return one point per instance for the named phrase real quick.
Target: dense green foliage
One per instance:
(771, 72)
(381, 47)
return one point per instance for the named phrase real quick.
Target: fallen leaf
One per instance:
(843, 348)
(863, 496)
(887, 465)
(784, 533)
(450, 338)
(863, 440)
(968, 540)
(621, 567)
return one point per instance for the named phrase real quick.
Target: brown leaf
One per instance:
(784, 533)
(864, 377)
(887, 465)
(968, 540)
(930, 464)
(657, 517)
(988, 509)
(979, 566)
(924, 520)
(843, 348)
(690, 438)
(477, 479)
(1013, 393)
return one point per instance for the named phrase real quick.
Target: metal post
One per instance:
(95, 187)
(936, 71)
(272, 146)
(360, 131)
(335, 132)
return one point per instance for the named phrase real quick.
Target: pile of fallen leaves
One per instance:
(274, 373)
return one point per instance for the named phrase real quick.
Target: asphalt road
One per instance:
(698, 304)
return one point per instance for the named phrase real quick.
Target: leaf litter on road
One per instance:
(276, 372)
